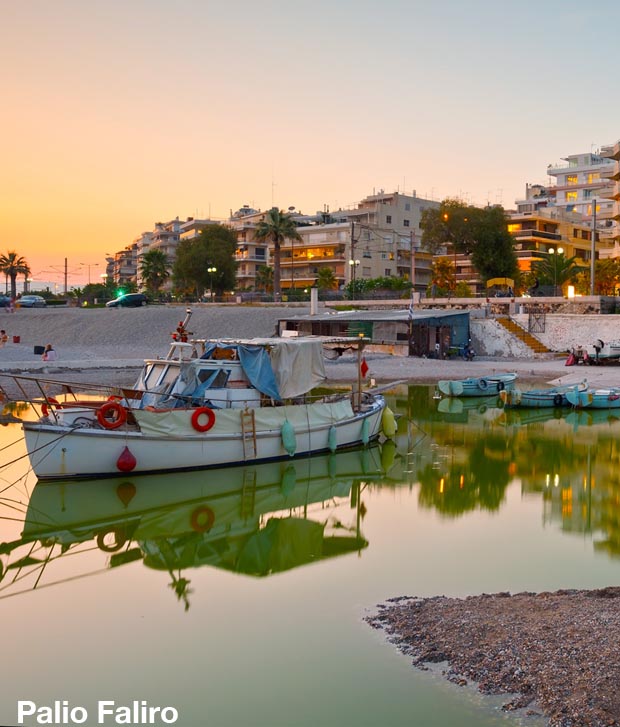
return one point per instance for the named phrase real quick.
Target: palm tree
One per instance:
(326, 279)
(264, 278)
(154, 269)
(12, 265)
(276, 227)
(555, 269)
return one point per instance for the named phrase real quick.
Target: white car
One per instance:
(32, 301)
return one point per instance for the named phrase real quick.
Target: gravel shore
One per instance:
(557, 651)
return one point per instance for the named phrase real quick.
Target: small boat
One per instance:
(209, 403)
(540, 398)
(595, 398)
(605, 351)
(478, 386)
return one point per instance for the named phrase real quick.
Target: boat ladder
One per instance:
(248, 434)
(248, 493)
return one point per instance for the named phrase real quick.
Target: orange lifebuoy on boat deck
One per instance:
(209, 413)
(52, 402)
(202, 519)
(118, 412)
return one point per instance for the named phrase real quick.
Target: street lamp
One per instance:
(555, 252)
(89, 266)
(211, 270)
(354, 265)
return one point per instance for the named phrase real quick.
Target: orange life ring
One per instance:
(52, 402)
(119, 415)
(115, 397)
(119, 540)
(202, 519)
(209, 413)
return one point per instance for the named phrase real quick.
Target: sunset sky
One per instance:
(117, 114)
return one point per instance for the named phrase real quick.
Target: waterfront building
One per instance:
(610, 216)
(578, 181)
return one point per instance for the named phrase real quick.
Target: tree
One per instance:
(443, 276)
(326, 279)
(12, 265)
(214, 247)
(276, 227)
(606, 277)
(493, 253)
(264, 278)
(555, 269)
(481, 233)
(154, 269)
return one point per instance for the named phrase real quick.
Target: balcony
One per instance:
(536, 235)
(612, 151)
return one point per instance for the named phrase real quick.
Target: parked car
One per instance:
(5, 301)
(129, 300)
(31, 301)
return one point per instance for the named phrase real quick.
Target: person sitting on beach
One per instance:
(49, 354)
(3, 338)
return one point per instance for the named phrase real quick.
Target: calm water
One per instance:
(110, 591)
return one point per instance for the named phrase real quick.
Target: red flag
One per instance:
(364, 368)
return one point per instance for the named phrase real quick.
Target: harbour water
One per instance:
(237, 596)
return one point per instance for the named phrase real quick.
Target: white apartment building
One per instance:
(578, 181)
(610, 216)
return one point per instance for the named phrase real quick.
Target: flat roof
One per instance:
(382, 315)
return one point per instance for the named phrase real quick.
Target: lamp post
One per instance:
(555, 252)
(89, 266)
(354, 264)
(211, 270)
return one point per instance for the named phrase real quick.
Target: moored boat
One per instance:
(595, 398)
(478, 386)
(554, 396)
(209, 403)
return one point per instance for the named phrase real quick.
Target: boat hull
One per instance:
(552, 398)
(58, 451)
(595, 399)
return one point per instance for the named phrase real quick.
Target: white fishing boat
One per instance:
(208, 403)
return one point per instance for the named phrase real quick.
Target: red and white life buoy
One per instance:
(52, 402)
(111, 415)
(198, 413)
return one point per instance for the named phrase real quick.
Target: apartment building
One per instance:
(578, 180)
(610, 216)
(250, 254)
(386, 227)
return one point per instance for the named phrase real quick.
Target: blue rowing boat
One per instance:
(478, 386)
(595, 398)
(555, 396)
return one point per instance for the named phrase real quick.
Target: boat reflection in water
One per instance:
(254, 520)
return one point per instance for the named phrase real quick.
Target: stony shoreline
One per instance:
(556, 651)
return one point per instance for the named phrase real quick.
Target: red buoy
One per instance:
(126, 462)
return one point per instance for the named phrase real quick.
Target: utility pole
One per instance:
(66, 276)
(593, 250)
(412, 273)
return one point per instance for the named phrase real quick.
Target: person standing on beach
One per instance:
(3, 338)
(49, 354)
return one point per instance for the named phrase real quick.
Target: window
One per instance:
(388, 219)
(388, 273)
(367, 252)
(571, 179)
(571, 197)
(594, 176)
(366, 272)
(587, 193)
(260, 252)
(406, 223)
(407, 206)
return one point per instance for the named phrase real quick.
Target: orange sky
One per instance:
(119, 114)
